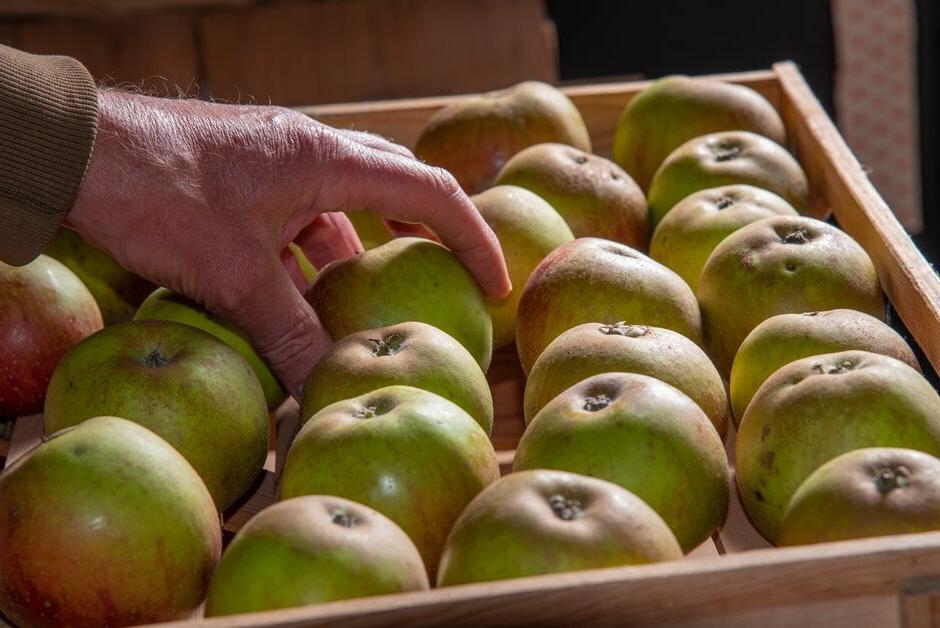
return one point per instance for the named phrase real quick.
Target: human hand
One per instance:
(204, 199)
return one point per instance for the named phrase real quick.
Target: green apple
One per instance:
(476, 135)
(781, 265)
(117, 291)
(410, 454)
(313, 549)
(675, 109)
(784, 338)
(591, 280)
(866, 492)
(595, 348)
(407, 279)
(371, 228)
(104, 525)
(644, 435)
(407, 354)
(816, 408)
(692, 229)
(727, 158)
(539, 522)
(44, 311)
(184, 384)
(594, 195)
(528, 229)
(168, 306)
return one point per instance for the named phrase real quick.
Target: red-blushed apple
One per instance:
(528, 229)
(538, 522)
(675, 109)
(412, 455)
(728, 158)
(595, 280)
(44, 311)
(313, 549)
(475, 136)
(104, 524)
(816, 408)
(407, 279)
(644, 435)
(407, 354)
(595, 348)
(190, 388)
(781, 265)
(785, 338)
(594, 195)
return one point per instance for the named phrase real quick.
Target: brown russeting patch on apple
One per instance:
(155, 359)
(342, 518)
(564, 508)
(889, 478)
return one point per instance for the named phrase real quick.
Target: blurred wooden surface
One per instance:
(293, 52)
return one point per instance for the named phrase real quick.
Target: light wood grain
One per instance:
(600, 106)
(908, 280)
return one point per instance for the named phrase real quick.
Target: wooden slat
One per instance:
(907, 278)
(600, 105)
(18, 8)
(838, 575)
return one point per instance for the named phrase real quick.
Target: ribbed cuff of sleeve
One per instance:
(48, 119)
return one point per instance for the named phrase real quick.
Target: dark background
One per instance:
(603, 38)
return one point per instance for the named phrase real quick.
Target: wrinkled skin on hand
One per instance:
(204, 198)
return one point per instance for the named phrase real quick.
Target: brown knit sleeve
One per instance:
(48, 118)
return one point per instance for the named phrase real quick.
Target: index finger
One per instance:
(407, 190)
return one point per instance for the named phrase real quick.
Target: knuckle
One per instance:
(444, 182)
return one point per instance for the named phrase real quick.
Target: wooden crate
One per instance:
(735, 579)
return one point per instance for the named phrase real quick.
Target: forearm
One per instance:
(48, 115)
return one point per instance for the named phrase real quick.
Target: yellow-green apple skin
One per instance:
(692, 229)
(166, 305)
(875, 491)
(595, 348)
(474, 137)
(816, 408)
(644, 435)
(785, 338)
(118, 292)
(781, 265)
(539, 522)
(407, 354)
(595, 280)
(726, 158)
(45, 310)
(104, 525)
(371, 228)
(528, 229)
(406, 279)
(593, 194)
(410, 454)
(675, 109)
(188, 387)
(310, 550)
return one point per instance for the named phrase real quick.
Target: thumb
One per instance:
(281, 326)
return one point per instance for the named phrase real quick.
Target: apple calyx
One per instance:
(834, 369)
(368, 412)
(579, 159)
(725, 151)
(342, 518)
(389, 346)
(724, 202)
(155, 359)
(810, 314)
(799, 236)
(564, 508)
(597, 402)
(889, 478)
(621, 328)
